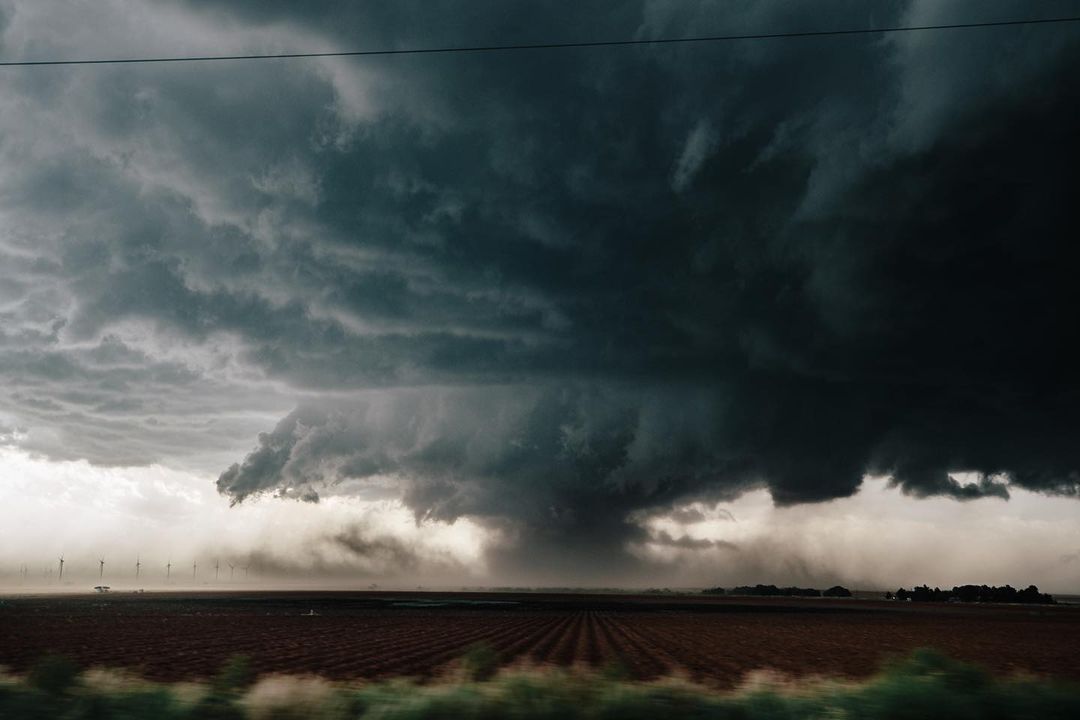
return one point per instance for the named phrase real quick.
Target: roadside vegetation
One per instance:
(924, 685)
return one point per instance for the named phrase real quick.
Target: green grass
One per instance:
(925, 685)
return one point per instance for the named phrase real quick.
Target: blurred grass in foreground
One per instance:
(924, 685)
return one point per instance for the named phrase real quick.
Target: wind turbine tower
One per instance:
(216, 566)
(61, 569)
(194, 568)
(138, 566)
(101, 568)
(168, 570)
(231, 568)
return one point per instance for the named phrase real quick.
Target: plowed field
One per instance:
(365, 635)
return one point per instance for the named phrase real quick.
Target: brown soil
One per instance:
(366, 635)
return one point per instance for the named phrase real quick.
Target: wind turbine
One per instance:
(101, 568)
(216, 566)
(138, 565)
(168, 570)
(194, 567)
(61, 569)
(245, 571)
(231, 568)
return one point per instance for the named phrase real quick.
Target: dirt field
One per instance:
(352, 635)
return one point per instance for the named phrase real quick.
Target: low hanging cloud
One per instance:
(566, 456)
(686, 542)
(352, 553)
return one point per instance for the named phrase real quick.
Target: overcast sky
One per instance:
(796, 310)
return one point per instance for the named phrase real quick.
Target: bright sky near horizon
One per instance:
(876, 539)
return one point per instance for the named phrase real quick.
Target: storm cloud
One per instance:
(547, 290)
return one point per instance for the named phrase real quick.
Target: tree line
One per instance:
(974, 593)
(919, 593)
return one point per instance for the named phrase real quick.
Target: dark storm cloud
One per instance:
(551, 289)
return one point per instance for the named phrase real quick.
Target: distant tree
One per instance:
(714, 591)
(1031, 594)
(837, 591)
(976, 593)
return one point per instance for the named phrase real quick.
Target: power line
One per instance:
(545, 46)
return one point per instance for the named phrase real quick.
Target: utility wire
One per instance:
(545, 46)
